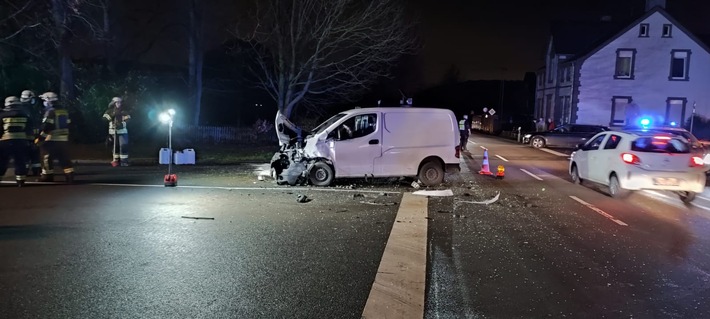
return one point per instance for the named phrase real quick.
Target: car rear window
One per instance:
(660, 144)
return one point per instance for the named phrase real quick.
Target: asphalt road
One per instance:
(226, 245)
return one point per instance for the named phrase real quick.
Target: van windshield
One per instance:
(320, 128)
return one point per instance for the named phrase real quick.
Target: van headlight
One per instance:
(527, 135)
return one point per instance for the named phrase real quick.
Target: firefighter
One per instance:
(53, 139)
(13, 141)
(29, 105)
(117, 117)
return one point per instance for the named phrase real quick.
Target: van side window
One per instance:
(357, 126)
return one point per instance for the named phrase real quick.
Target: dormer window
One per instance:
(667, 30)
(643, 30)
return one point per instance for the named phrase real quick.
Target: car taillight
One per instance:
(630, 158)
(696, 161)
(458, 151)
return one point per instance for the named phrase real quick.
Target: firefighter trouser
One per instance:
(17, 149)
(120, 150)
(51, 150)
(33, 158)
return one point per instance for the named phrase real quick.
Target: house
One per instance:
(609, 74)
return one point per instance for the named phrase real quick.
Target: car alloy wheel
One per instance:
(538, 142)
(575, 175)
(615, 189)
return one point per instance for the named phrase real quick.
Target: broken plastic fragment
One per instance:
(445, 192)
(485, 202)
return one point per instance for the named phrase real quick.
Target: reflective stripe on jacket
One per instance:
(15, 125)
(55, 125)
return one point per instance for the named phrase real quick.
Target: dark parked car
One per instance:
(565, 136)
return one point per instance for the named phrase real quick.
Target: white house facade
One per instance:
(652, 69)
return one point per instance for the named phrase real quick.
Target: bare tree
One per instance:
(319, 51)
(38, 27)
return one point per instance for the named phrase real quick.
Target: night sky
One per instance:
(483, 39)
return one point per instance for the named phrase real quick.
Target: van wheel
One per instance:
(615, 189)
(686, 197)
(575, 175)
(538, 142)
(431, 173)
(321, 174)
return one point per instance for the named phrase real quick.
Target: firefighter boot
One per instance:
(46, 178)
(115, 163)
(69, 178)
(124, 162)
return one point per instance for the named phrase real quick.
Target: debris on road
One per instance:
(485, 202)
(303, 199)
(446, 192)
(195, 217)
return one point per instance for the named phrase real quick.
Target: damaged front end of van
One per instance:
(303, 156)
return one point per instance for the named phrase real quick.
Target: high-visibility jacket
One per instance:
(117, 118)
(15, 124)
(55, 124)
(462, 125)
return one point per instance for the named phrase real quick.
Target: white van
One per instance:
(368, 143)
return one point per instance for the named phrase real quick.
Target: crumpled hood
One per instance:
(285, 129)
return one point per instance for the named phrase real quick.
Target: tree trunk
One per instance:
(107, 39)
(59, 14)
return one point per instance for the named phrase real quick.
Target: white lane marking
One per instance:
(674, 200)
(472, 142)
(483, 147)
(219, 187)
(531, 174)
(553, 152)
(400, 283)
(601, 212)
(501, 157)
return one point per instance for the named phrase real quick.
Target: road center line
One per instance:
(601, 212)
(399, 287)
(531, 174)
(553, 152)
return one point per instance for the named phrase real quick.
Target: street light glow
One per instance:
(171, 112)
(165, 117)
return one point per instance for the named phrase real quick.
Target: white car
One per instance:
(639, 159)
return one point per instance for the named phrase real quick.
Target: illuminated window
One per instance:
(667, 30)
(643, 30)
(680, 60)
(625, 64)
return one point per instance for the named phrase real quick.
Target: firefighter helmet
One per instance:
(49, 96)
(12, 100)
(26, 95)
(116, 99)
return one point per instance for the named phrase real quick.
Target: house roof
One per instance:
(635, 23)
(584, 38)
(579, 37)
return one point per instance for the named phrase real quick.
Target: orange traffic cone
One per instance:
(485, 170)
(501, 172)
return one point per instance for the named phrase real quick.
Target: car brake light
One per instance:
(696, 161)
(630, 158)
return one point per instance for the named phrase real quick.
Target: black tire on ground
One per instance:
(537, 142)
(615, 189)
(575, 175)
(431, 173)
(686, 197)
(321, 174)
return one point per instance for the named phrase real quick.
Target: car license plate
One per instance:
(664, 181)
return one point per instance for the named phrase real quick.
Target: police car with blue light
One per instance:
(642, 158)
